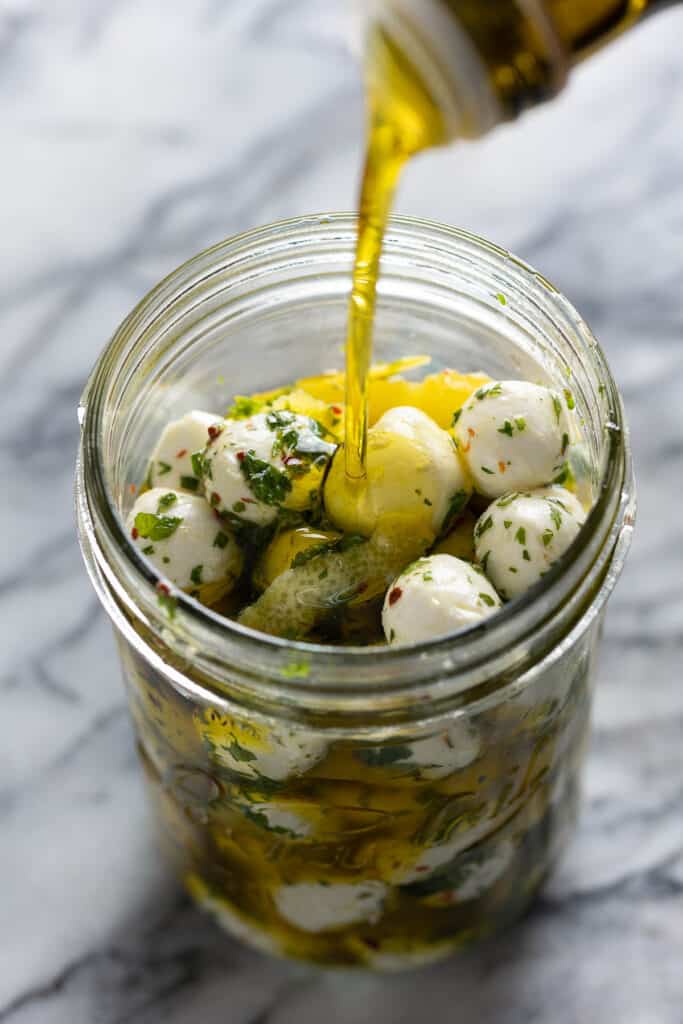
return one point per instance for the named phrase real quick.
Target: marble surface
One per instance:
(134, 134)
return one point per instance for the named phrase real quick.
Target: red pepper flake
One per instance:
(134, 533)
(215, 499)
(163, 589)
(362, 587)
(217, 514)
(181, 454)
(467, 447)
(471, 432)
(422, 867)
(502, 467)
(395, 595)
(337, 410)
(214, 432)
(241, 456)
(248, 501)
(133, 488)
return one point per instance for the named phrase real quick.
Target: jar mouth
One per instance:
(127, 583)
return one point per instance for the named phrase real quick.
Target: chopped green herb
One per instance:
(239, 752)
(221, 540)
(485, 560)
(565, 443)
(457, 504)
(506, 428)
(199, 464)
(490, 391)
(501, 298)
(565, 475)
(297, 670)
(166, 560)
(456, 416)
(520, 536)
(507, 523)
(520, 423)
(238, 507)
(428, 502)
(547, 537)
(168, 603)
(487, 599)
(166, 500)
(485, 469)
(427, 577)
(149, 550)
(556, 517)
(569, 399)
(189, 483)
(243, 407)
(163, 468)
(267, 484)
(378, 757)
(482, 527)
(511, 568)
(196, 574)
(507, 500)
(557, 406)
(526, 556)
(151, 527)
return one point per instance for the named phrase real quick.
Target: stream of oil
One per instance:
(526, 50)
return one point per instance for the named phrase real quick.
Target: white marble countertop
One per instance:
(134, 134)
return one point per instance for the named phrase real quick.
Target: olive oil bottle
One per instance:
(441, 70)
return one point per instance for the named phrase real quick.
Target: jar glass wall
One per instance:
(367, 806)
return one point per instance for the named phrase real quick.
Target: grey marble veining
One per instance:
(134, 134)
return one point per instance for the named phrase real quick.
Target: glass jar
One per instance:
(352, 806)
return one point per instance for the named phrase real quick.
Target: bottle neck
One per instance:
(484, 63)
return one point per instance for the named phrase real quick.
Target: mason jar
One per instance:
(353, 805)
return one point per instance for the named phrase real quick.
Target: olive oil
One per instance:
(438, 70)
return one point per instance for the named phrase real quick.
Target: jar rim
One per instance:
(300, 665)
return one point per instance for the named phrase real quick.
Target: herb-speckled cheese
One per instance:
(182, 538)
(435, 757)
(269, 461)
(521, 535)
(436, 596)
(257, 750)
(514, 436)
(171, 464)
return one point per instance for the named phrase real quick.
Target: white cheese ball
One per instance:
(478, 871)
(257, 750)
(413, 470)
(180, 535)
(257, 466)
(435, 596)
(453, 747)
(316, 908)
(171, 464)
(514, 436)
(405, 865)
(519, 536)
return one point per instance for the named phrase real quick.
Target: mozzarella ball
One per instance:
(435, 757)
(413, 470)
(519, 536)
(258, 465)
(171, 466)
(513, 436)
(314, 907)
(179, 534)
(257, 750)
(435, 596)
(403, 864)
(477, 871)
